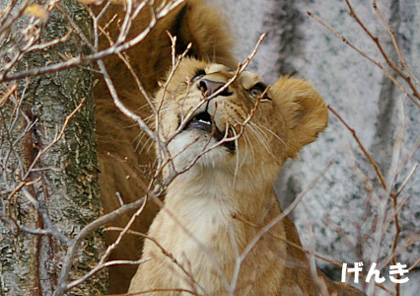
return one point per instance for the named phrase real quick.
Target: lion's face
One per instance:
(213, 118)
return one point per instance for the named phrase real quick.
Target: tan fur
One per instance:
(216, 208)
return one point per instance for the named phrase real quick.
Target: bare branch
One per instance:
(365, 152)
(363, 54)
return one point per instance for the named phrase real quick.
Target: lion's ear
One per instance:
(303, 109)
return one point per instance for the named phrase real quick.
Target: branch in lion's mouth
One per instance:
(203, 121)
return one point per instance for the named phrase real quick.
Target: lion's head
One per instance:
(215, 119)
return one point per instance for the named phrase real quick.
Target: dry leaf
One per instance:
(37, 11)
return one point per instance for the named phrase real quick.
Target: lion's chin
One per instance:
(195, 146)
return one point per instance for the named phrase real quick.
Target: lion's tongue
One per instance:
(200, 124)
(207, 127)
(203, 121)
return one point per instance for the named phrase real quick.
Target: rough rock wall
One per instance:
(342, 216)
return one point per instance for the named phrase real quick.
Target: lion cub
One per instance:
(214, 234)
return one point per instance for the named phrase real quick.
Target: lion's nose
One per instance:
(209, 87)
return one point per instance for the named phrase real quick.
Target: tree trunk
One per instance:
(48, 192)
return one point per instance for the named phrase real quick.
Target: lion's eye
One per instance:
(257, 91)
(198, 75)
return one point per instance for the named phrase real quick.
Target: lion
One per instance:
(225, 135)
(214, 235)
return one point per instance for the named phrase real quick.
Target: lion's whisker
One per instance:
(260, 136)
(275, 135)
(237, 165)
(248, 144)
(148, 143)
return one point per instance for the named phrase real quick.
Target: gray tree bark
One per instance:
(45, 205)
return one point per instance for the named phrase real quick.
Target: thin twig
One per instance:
(86, 230)
(402, 61)
(75, 61)
(56, 138)
(362, 147)
(276, 220)
(363, 54)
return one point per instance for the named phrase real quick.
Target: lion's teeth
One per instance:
(204, 121)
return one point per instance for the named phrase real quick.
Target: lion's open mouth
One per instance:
(203, 121)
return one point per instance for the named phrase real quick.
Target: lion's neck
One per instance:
(214, 196)
(205, 212)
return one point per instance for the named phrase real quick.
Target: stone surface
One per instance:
(343, 215)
